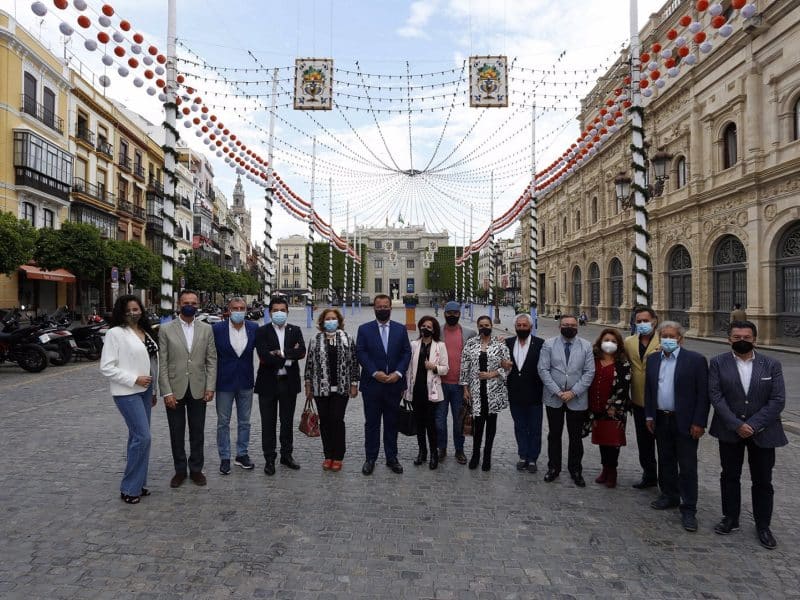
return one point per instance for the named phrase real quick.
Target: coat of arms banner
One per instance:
(488, 81)
(313, 84)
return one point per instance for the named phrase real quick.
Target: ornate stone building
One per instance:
(726, 226)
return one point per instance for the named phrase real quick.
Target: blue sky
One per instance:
(382, 36)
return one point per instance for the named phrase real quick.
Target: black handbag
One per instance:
(406, 421)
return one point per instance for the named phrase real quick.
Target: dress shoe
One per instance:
(225, 466)
(288, 461)
(551, 475)
(664, 503)
(422, 457)
(369, 467)
(326, 464)
(726, 526)
(522, 465)
(197, 477)
(442, 454)
(532, 468)
(461, 458)
(395, 466)
(767, 539)
(177, 480)
(579, 480)
(689, 521)
(269, 467)
(434, 462)
(645, 483)
(336, 466)
(603, 477)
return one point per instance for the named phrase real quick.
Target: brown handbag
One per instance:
(309, 420)
(465, 417)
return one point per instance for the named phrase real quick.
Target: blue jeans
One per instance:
(135, 409)
(453, 398)
(244, 403)
(528, 430)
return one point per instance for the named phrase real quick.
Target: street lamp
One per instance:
(622, 185)
(660, 161)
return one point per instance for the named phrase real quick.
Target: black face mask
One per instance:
(742, 347)
(485, 331)
(451, 320)
(523, 333)
(426, 332)
(569, 332)
(383, 314)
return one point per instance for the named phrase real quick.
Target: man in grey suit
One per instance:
(566, 368)
(748, 395)
(187, 361)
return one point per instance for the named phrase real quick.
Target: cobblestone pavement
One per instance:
(450, 533)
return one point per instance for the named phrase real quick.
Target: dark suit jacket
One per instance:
(760, 408)
(234, 372)
(372, 357)
(691, 388)
(294, 348)
(524, 385)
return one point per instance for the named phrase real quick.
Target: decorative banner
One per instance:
(433, 246)
(313, 84)
(388, 246)
(488, 81)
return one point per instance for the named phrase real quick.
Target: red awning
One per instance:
(59, 275)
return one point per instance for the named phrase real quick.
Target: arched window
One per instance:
(594, 209)
(788, 280)
(730, 279)
(615, 288)
(577, 290)
(594, 290)
(578, 220)
(679, 278)
(680, 172)
(796, 119)
(729, 146)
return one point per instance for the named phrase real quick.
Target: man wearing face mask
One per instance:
(638, 347)
(525, 390)
(280, 346)
(748, 394)
(187, 377)
(235, 340)
(384, 354)
(676, 409)
(566, 367)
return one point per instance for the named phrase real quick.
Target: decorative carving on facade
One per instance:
(770, 211)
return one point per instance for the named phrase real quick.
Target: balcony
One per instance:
(155, 185)
(104, 148)
(185, 202)
(84, 136)
(131, 209)
(155, 224)
(24, 176)
(41, 113)
(138, 171)
(124, 162)
(82, 187)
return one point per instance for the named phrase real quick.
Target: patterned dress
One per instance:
(496, 390)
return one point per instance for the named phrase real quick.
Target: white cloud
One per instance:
(421, 12)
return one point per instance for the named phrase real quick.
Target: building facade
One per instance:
(725, 225)
(292, 273)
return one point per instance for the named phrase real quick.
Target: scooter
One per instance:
(89, 337)
(55, 338)
(21, 345)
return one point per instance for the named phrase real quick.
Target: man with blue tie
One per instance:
(384, 353)
(235, 339)
(676, 409)
(748, 394)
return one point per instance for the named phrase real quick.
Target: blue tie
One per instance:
(567, 348)
(385, 337)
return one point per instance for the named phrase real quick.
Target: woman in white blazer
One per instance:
(428, 364)
(130, 361)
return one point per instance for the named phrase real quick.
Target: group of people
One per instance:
(451, 370)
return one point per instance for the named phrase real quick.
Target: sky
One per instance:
(475, 161)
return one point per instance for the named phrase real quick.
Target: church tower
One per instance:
(239, 210)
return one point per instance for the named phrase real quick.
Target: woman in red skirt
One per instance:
(608, 401)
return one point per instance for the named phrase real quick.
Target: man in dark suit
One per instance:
(748, 394)
(280, 346)
(384, 353)
(676, 411)
(525, 392)
(235, 339)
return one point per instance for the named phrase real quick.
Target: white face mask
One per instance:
(608, 347)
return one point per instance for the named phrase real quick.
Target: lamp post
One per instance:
(660, 161)
(493, 283)
(622, 186)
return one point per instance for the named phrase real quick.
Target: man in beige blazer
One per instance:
(187, 377)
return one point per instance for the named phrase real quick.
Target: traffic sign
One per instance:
(127, 275)
(114, 274)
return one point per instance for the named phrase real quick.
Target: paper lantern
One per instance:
(104, 20)
(683, 51)
(700, 37)
(656, 48)
(715, 9)
(133, 63)
(123, 71)
(644, 83)
(152, 50)
(138, 82)
(39, 9)
(666, 54)
(148, 74)
(61, 4)
(198, 133)
(685, 21)
(107, 60)
(84, 22)
(159, 70)
(644, 57)
(66, 29)
(669, 63)
(695, 27)
(119, 51)
(117, 37)
(672, 34)
(90, 45)
(673, 71)
(647, 93)
(102, 37)
(162, 84)
(680, 41)
(718, 21)
(162, 97)
(105, 80)
(655, 75)
(690, 60)
(701, 5)
(151, 91)
(738, 4)
(161, 59)
(138, 38)
(79, 4)
(748, 10)
(726, 30)
(706, 47)
(660, 83)
(180, 79)
(124, 25)
(147, 60)
(187, 124)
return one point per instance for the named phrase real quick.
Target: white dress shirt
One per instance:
(281, 333)
(238, 338)
(188, 332)
(521, 351)
(745, 368)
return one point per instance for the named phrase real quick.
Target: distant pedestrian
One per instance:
(130, 362)
(738, 314)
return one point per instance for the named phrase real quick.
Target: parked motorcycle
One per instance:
(89, 337)
(21, 345)
(57, 341)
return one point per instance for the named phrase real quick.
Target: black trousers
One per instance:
(331, 424)
(268, 407)
(609, 456)
(646, 442)
(489, 423)
(677, 462)
(425, 416)
(193, 411)
(761, 461)
(555, 424)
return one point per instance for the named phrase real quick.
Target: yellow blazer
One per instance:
(638, 365)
